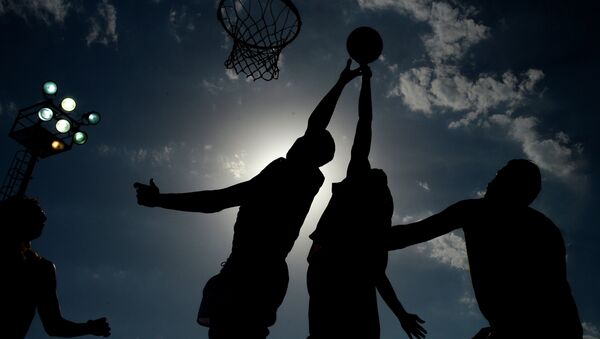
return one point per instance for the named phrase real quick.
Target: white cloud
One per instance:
(445, 88)
(413, 87)
(202, 161)
(280, 60)
(162, 156)
(103, 25)
(441, 87)
(211, 87)
(590, 331)
(407, 218)
(180, 22)
(157, 157)
(448, 249)
(556, 154)
(452, 30)
(419, 9)
(469, 300)
(47, 11)
(231, 74)
(424, 185)
(235, 165)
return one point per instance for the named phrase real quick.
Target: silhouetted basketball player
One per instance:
(348, 258)
(29, 281)
(242, 300)
(516, 257)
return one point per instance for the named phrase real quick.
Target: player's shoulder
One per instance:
(282, 167)
(277, 163)
(276, 166)
(43, 269)
(539, 218)
(46, 265)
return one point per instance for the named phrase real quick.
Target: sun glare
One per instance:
(274, 140)
(254, 143)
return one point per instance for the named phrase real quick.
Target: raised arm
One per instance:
(209, 201)
(320, 117)
(411, 323)
(359, 159)
(49, 310)
(401, 236)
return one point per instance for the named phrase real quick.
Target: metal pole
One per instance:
(28, 175)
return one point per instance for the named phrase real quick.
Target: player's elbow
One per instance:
(53, 330)
(56, 326)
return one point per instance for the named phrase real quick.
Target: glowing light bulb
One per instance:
(50, 87)
(58, 145)
(68, 104)
(63, 126)
(80, 138)
(93, 118)
(45, 114)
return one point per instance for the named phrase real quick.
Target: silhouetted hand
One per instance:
(348, 74)
(147, 195)
(411, 325)
(99, 327)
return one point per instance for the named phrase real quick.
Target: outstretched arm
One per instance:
(54, 323)
(359, 159)
(411, 323)
(401, 236)
(209, 201)
(320, 117)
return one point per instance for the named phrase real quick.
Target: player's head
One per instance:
(316, 148)
(23, 218)
(519, 182)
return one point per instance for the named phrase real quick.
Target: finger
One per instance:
(420, 320)
(152, 184)
(348, 63)
(137, 185)
(356, 72)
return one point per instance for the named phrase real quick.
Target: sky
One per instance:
(461, 88)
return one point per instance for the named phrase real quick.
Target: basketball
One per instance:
(364, 45)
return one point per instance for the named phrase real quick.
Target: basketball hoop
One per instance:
(260, 29)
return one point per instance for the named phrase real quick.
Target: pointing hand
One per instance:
(147, 195)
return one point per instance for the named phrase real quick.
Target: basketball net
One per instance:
(260, 29)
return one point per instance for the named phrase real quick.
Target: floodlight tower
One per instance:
(43, 129)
